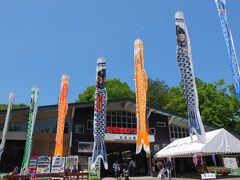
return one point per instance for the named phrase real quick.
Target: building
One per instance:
(163, 127)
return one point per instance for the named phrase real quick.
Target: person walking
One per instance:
(132, 166)
(169, 167)
(116, 168)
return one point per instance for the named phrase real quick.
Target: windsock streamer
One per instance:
(62, 113)
(30, 128)
(230, 45)
(6, 124)
(100, 109)
(141, 85)
(184, 59)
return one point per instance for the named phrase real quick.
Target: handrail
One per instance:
(72, 176)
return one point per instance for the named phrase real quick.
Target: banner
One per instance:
(62, 113)
(95, 173)
(31, 121)
(72, 163)
(33, 165)
(100, 109)
(230, 45)
(58, 164)
(6, 124)
(184, 59)
(141, 86)
(44, 164)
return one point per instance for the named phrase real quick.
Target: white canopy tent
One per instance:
(218, 142)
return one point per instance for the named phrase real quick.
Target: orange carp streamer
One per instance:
(141, 85)
(62, 112)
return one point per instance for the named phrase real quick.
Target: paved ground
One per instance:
(179, 178)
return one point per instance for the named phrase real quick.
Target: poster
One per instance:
(230, 162)
(94, 174)
(58, 164)
(44, 163)
(71, 162)
(33, 165)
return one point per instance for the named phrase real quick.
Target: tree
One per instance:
(176, 100)
(157, 94)
(15, 106)
(218, 103)
(115, 90)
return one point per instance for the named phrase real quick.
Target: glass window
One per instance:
(79, 129)
(90, 124)
(152, 131)
(161, 124)
(108, 124)
(122, 119)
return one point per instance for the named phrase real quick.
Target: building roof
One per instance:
(50, 111)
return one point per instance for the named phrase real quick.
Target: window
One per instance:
(85, 147)
(152, 131)
(161, 124)
(90, 124)
(156, 147)
(122, 119)
(79, 129)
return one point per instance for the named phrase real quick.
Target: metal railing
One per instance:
(57, 176)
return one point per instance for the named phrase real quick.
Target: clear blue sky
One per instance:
(41, 40)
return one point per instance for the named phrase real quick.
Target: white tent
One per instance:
(218, 142)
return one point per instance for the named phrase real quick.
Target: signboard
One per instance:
(71, 162)
(94, 174)
(121, 130)
(33, 165)
(230, 162)
(208, 176)
(58, 164)
(44, 163)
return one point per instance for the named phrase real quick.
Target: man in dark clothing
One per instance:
(169, 167)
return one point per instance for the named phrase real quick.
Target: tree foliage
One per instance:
(157, 94)
(115, 90)
(218, 103)
(15, 106)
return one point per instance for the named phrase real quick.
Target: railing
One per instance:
(219, 170)
(68, 176)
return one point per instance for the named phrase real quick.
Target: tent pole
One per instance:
(174, 167)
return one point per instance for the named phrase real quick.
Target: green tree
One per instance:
(115, 90)
(218, 103)
(15, 106)
(157, 94)
(176, 100)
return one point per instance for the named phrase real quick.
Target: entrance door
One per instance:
(124, 152)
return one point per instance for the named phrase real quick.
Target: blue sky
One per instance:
(41, 40)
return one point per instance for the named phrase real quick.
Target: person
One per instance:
(132, 166)
(162, 173)
(74, 169)
(126, 174)
(159, 165)
(169, 167)
(125, 171)
(116, 168)
(67, 170)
